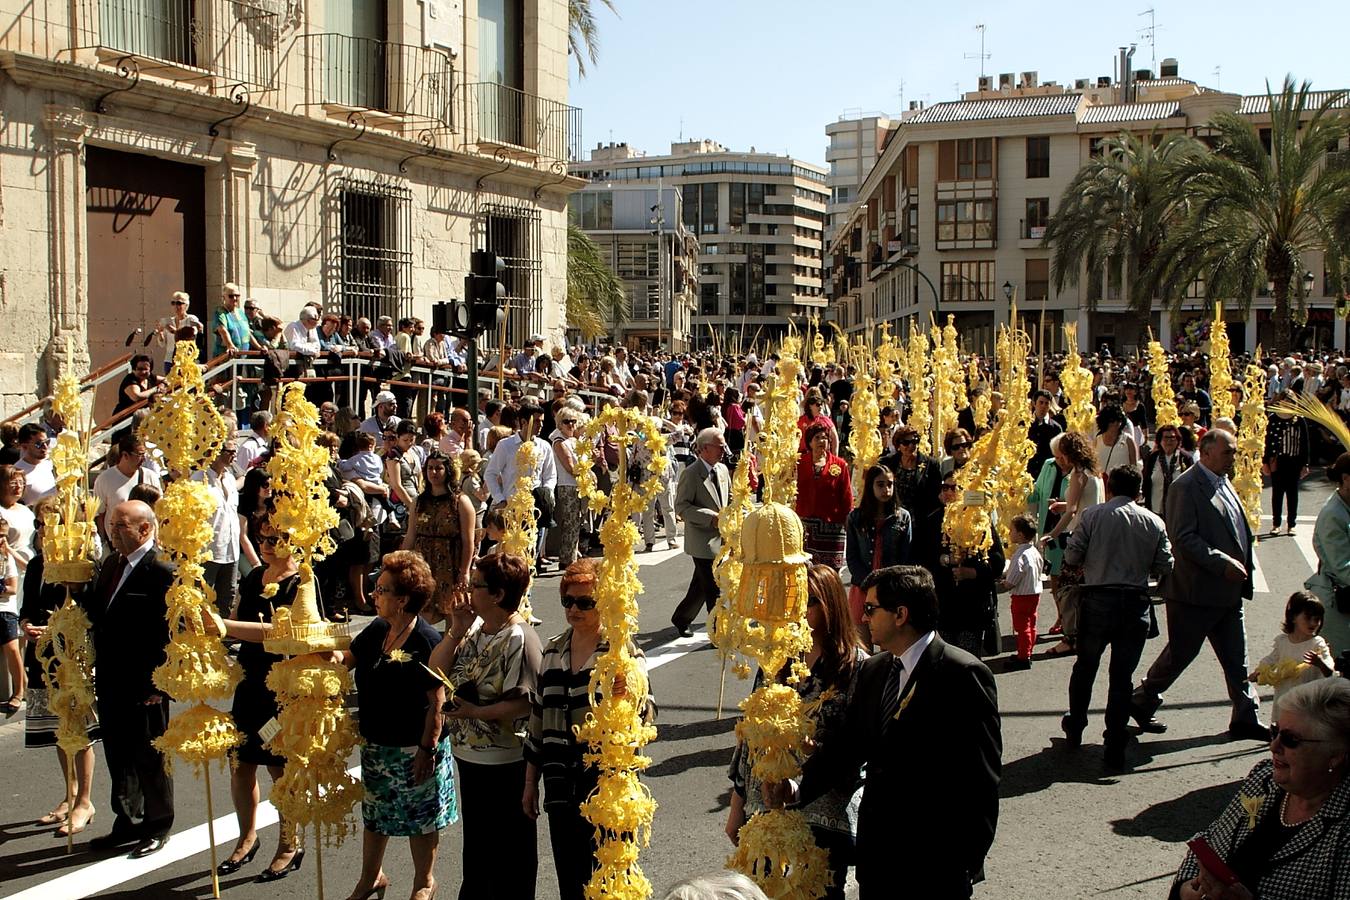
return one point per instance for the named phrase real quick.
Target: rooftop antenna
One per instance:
(902, 95)
(681, 129)
(982, 54)
(1150, 33)
(1217, 69)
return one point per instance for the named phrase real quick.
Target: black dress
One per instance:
(254, 702)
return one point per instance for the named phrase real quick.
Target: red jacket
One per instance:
(827, 496)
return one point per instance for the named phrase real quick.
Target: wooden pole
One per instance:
(501, 389)
(211, 831)
(318, 858)
(721, 691)
(70, 798)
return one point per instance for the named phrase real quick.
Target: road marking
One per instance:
(1303, 539)
(680, 647)
(1259, 585)
(109, 873)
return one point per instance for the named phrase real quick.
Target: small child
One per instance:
(1300, 654)
(9, 575)
(365, 464)
(1023, 579)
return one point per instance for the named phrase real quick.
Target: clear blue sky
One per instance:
(772, 73)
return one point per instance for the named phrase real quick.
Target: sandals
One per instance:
(56, 816)
(11, 706)
(73, 825)
(1063, 648)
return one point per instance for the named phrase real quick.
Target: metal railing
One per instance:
(232, 39)
(363, 73)
(497, 114)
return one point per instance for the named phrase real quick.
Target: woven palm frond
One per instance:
(1319, 412)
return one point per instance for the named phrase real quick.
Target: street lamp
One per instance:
(1007, 291)
(1308, 281)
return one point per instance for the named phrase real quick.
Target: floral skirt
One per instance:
(40, 723)
(824, 541)
(396, 806)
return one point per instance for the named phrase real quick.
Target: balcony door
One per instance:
(356, 59)
(156, 29)
(502, 107)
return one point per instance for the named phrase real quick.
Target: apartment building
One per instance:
(642, 237)
(759, 219)
(855, 143)
(349, 152)
(952, 217)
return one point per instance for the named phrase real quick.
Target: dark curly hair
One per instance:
(412, 578)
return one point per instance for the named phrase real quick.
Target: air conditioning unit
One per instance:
(1030, 79)
(1169, 68)
(986, 82)
(1005, 81)
(1103, 81)
(1082, 84)
(1143, 75)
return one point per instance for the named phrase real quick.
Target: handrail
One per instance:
(92, 380)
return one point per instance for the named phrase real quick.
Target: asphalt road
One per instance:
(1066, 829)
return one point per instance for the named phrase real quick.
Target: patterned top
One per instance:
(1307, 866)
(490, 668)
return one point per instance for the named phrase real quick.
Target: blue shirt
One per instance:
(236, 325)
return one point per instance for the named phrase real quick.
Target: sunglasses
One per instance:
(869, 608)
(960, 446)
(581, 603)
(908, 442)
(269, 539)
(232, 296)
(1289, 740)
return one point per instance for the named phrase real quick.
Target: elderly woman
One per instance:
(255, 704)
(492, 656)
(1162, 465)
(1331, 543)
(814, 413)
(824, 497)
(1284, 834)
(917, 477)
(956, 445)
(834, 660)
(552, 750)
(405, 760)
(442, 532)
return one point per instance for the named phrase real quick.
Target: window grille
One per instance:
(375, 249)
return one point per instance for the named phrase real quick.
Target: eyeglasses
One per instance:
(232, 296)
(269, 539)
(581, 603)
(178, 303)
(960, 446)
(381, 589)
(869, 608)
(1289, 740)
(908, 442)
(568, 422)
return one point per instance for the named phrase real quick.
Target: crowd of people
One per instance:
(419, 479)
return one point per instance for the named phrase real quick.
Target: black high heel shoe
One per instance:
(270, 874)
(230, 866)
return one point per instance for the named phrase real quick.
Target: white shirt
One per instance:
(300, 339)
(225, 521)
(910, 658)
(20, 519)
(1024, 571)
(132, 562)
(249, 447)
(111, 487)
(501, 469)
(40, 479)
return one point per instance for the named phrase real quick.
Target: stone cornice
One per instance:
(189, 106)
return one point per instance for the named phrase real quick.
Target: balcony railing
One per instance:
(495, 114)
(183, 39)
(415, 83)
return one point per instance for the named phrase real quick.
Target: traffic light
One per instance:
(484, 291)
(452, 317)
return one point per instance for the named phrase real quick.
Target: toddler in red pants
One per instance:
(1023, 579)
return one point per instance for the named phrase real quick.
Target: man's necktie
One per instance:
(890, 697)
(119, 566)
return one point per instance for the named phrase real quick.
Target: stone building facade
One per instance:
(350, 153)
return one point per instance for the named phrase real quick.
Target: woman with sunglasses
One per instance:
(833, 661)
(405, 758)
(553, 753)
(492, 656)
(917, 477)
(966, 586)
(1284, 834)
(255, 704)
(568, 511)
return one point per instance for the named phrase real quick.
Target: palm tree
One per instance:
(1253, 213)
(1112, 216)
(596, 298)
(581, 32)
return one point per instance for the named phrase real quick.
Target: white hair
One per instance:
(1325, 703)
(232, 288)
(721, 886)
(707, 436)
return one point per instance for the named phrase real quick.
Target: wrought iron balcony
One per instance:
(351, 73)
(186, 40)
(503, 117)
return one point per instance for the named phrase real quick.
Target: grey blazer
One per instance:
(698, 500)
(1203, 544)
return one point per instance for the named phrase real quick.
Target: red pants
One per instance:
(1024, 622)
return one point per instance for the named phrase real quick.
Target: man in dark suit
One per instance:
(127, 609)
(1210, 579)
(703, 489)
(924, 718)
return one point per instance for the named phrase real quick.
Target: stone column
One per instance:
(236, 261)
(68, 349)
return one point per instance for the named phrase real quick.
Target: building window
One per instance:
(1038, 157)
(375, 249)
(962, 281)
(1037, 280)
(708, 208)
(592, 211)
(968, 159)
(965, 220)
(912, 225)
(1095, 147)
(512, 232)
(707, 300)
(1038, 216)
(637, 260)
